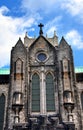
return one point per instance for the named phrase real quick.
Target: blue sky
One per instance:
(63, 16)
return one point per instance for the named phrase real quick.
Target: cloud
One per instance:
(35, 6)
(73, 7)
(53, 25)
(50, 12)
(4, 10)
(11, 28)
(75, 39)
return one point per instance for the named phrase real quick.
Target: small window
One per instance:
(65, 65)
(18, 69)
(18, 66)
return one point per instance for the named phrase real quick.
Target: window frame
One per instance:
(36, 95)
(49, 99)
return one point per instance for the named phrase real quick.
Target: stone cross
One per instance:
(40, 25)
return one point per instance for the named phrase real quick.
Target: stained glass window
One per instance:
(41, 57)
(2, 107)
(50, 100)
(35, 93)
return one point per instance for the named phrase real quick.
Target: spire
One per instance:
(40, 25)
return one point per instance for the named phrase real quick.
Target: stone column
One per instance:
(42, 92)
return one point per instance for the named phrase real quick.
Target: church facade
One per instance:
(42, 92)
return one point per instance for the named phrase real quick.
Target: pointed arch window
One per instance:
(65, 65)
(50, 100)
(18, 69)
(35, 93)
(2, 108)
(82, 100)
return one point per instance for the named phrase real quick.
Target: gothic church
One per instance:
(42, 93)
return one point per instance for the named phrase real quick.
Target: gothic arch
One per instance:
(18, 59)
(50, 72)
(18, 68)
(4, 92)
(35, 72)
(20, 63)
(65, 58)
(66, 62)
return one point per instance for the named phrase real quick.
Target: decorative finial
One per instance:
(34, 36)
(19, 38)
(40, 25)
(26, 34)
(46, 35)
(54, 33)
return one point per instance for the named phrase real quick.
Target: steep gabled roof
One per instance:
(44, 39)
(19, 45)
(63, 43)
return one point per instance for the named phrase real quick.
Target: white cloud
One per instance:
(51, 31)
(4, 10)
(39, 5)
(13, 27)
(10, 30)
(75, 39)
(52, 26)
(74, 7)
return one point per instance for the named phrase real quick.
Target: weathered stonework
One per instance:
(42, 56)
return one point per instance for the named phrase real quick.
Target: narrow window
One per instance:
(2, 108)
(82, 100)
(18, 70)
(35, 93)
(50, 100)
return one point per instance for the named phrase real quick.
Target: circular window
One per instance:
(41, 57)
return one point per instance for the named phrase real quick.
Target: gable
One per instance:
(19, 48)
(41, 47)
(41, 41)
(63, 44)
